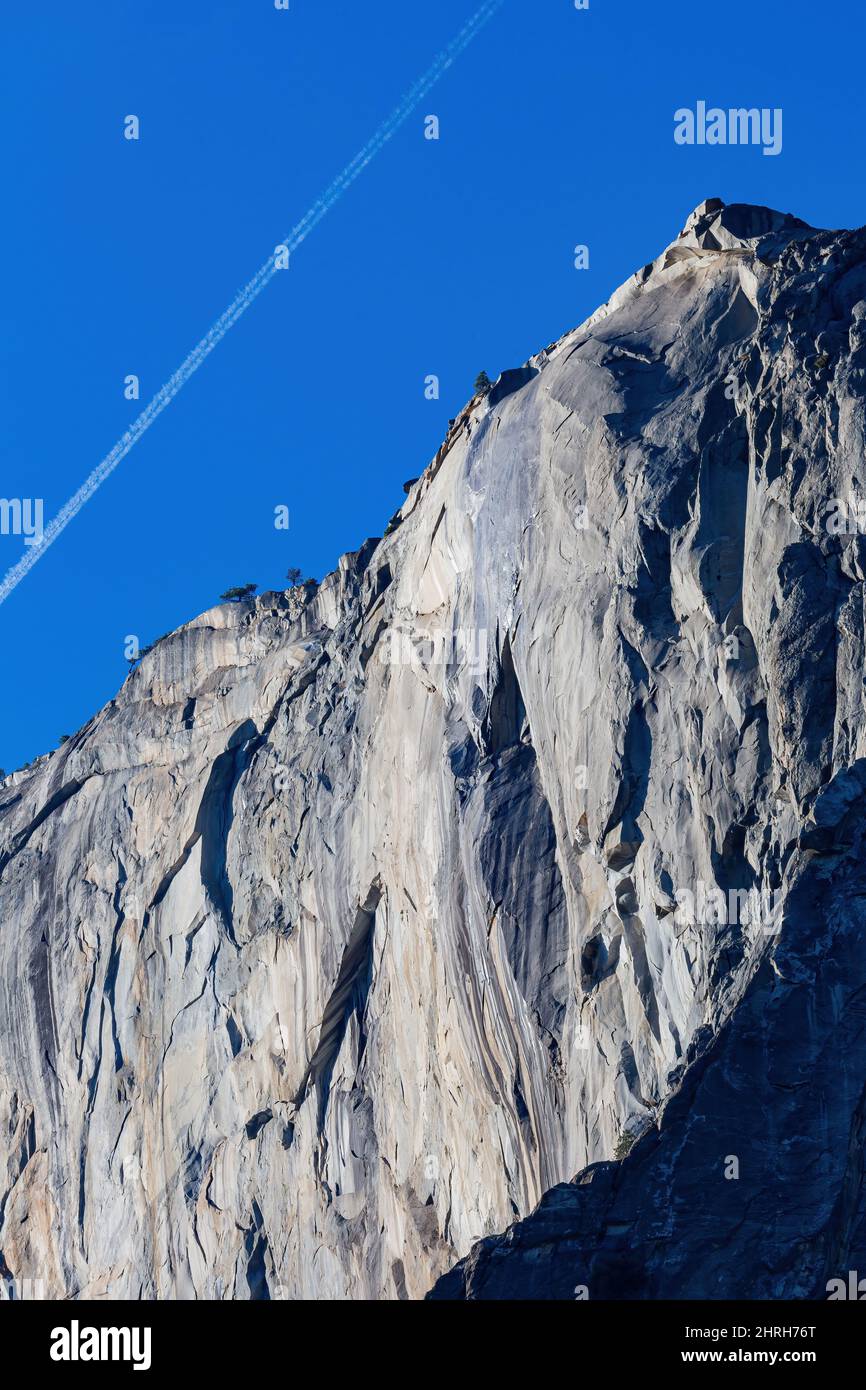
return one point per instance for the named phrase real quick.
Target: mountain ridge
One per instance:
(359, 920)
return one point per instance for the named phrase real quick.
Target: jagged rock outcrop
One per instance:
(367, 914)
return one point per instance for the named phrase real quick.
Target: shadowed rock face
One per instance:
(366, 915)
(780, 1092)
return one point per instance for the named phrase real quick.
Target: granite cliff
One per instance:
(525, 846)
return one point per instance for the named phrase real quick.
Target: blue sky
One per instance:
(445, 257)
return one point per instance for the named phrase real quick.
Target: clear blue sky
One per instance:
(445, 257)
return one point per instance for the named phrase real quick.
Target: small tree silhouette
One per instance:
(294, 576)
(238, 593)
(624, 1146)
(482, 383)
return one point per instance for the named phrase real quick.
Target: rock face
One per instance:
(369, 913)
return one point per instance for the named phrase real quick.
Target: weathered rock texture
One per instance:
(368, 913)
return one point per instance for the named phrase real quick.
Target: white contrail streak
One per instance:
(245, 297)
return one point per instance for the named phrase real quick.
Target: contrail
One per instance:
(245, 297)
